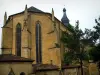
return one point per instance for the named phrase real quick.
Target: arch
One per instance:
(18, 39)
(11, 72)
(38, 43)
(38, 22)
(22, 73)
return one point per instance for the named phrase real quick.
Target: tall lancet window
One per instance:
(38, 44)
(18, 39)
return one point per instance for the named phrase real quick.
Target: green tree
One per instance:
(95, 55)
(97, 29)
(95, 50)
(76, 42)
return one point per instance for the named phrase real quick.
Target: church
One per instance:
(31, 43)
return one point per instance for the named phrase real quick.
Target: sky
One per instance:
(83, 10)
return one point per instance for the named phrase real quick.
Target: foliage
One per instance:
(87, 39)
(78, 44)
(75, 42)
(68, 56)
(95, 53)
(96, 35)
(95, 50)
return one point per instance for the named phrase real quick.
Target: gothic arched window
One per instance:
(18, 39)
(38, 44)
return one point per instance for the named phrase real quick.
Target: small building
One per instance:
(15, 65)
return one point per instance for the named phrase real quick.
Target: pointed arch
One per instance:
(18, 39)
(11, 72)
(38, 43)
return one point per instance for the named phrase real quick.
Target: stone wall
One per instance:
(28, 43)
(16, 68)
(52, 72)
(93, 70)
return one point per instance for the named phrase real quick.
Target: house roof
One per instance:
(13, 58)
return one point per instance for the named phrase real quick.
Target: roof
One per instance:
(44, 67)
(13, 58)
(65, 19)
(70, 66)
(33, 9)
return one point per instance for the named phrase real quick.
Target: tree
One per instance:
(95, 55)
(95, 50)
(97, 28)
(76, 42)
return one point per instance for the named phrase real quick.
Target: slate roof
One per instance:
(65, 19)
(33, 9)
(13, 58)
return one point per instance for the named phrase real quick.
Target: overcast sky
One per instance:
(83, 10)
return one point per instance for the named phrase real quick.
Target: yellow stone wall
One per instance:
(72, 71)
(7, 33)
(16, 19)
(28, 43)
(17, 68)
(93, 70)
(7, 38)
